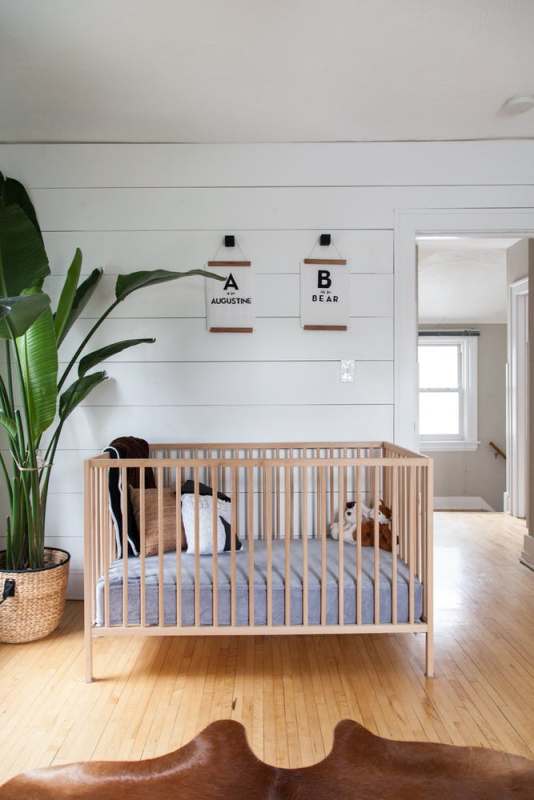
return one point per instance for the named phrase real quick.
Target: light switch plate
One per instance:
(347, 370)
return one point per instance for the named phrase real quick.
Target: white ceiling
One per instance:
(263, 70)
(462, 280)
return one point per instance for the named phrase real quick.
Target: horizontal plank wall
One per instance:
(146, 206)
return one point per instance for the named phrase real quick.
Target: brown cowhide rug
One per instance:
(219, 764)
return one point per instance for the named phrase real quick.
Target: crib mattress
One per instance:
(260, 587)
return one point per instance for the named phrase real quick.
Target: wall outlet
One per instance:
(347, 369)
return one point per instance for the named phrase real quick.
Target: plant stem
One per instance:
(49, 458)
(9, 375)
(93, 330)
(36, 534)
(8, 478)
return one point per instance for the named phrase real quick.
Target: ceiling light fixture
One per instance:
(518, 104)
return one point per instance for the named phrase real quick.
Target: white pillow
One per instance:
(205, 503)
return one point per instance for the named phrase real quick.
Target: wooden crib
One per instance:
(289, 577)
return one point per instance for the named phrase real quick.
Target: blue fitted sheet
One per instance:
(260, 587)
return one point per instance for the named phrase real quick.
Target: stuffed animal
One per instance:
(348, 529)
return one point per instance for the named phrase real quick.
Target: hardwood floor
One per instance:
(155, 694)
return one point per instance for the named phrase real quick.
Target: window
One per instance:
(447, 392)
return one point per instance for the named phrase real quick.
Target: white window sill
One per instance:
(448, 446)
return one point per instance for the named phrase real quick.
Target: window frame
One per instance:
(467, 439)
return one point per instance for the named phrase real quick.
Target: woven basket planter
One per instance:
(39, 600)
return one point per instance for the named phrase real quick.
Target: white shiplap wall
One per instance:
(145, 206)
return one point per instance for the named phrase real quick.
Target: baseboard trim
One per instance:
(461, 504)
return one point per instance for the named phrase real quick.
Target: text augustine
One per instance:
(218, 301)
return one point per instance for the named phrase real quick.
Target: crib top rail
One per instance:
(299, 445)
(393, 455)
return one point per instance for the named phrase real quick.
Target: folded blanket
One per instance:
(127, 447)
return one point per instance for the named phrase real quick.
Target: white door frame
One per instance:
(517, 399)
(408, 225)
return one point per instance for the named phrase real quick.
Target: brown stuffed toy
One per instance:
(384, 530)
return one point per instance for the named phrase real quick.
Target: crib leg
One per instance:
(429, 654)
(88, 655)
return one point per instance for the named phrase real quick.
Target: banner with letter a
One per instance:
(230, 304)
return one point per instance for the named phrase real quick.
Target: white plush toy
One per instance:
(348, 528)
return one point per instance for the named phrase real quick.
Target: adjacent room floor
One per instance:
(153, 695)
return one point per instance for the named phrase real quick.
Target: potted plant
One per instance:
(36, 399)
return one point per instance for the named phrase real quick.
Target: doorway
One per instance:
(409, 225)
(462, 356)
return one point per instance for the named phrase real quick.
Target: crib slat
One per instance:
(358, 499)
(287, 535)
(277, 498)
(269, 537)
(291, 498)
(95, 478)
(250, 537)
(317, 520)
(419, 523)
(233, 534)
(100, 516)
(196, 502)
(341, 543)
(332, 489)
(411, 542)
(107, 550)
(322, 528)
(124, 516)
(376, 499)
(142, 544)
(161, 578)
(394, 535)
(214, 547)
(305, 536)
(429, 549)
(178, 540)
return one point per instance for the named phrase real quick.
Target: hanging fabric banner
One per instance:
(230, 305)
(325, 294)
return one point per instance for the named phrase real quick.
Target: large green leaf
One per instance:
(8, 425)
(126, 284)
(68, 293)
(83, 294)
(103, 353)
(77, 392)
(23, 258)
(38, 356)
(21, 312)
(13, 192)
